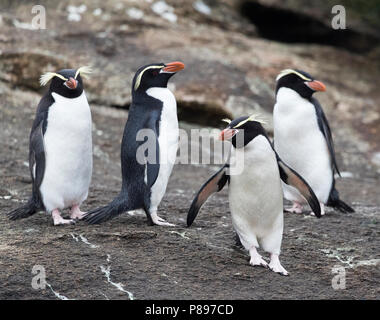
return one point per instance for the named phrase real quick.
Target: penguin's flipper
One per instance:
(37, 160)
(153, 168)
(214, 184)
(153, 164)
(37, 164)
(37, 157)
(325, 129)
(292, 178)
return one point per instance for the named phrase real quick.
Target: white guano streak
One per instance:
(119, 286)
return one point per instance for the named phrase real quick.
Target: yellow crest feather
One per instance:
(228, 121)
(138, 79)
(83, 71)
(46, 77)
(285, 72)
(253, 117)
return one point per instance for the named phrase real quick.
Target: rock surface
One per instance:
(230, 72)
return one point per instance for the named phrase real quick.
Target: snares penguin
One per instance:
(153, 109)
(302, 138)
(60, 148)
(255, 194)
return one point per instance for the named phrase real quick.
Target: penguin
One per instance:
(145, 175)
(302, 138)
(60, 148)
(255, 193)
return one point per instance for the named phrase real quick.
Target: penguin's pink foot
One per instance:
(256, 259)
(76, 214)
(159, 221)
(323, 212)
(297, 208)
(58, 220)
(276, 266)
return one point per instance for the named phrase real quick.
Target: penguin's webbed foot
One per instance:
(258, 261)
(256, 258)
(159, 221)
(276, 266)
(76, 213)
(58, 220)
(296, 208)
(63, 222)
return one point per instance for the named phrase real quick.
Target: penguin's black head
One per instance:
(242, 130)
(66, 82)
(299, 81)
(155, 75)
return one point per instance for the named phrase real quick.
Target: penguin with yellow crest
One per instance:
(60, 148)
(255, 191)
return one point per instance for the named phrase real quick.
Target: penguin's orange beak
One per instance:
(227, 134)
(316, 85)
(71, 83)
(174, 66)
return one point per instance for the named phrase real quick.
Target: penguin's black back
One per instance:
(144, 113)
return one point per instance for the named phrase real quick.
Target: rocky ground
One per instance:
(230, 72)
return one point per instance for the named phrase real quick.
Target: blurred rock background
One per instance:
(233, 50)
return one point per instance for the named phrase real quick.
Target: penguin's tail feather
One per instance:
(113, 209)
(25, 211)
(338, 204)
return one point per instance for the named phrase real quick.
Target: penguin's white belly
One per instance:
(301, 145)
(68, 150)
(167, 140)
(255, 197)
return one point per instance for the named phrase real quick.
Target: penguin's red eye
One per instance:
(155, 72)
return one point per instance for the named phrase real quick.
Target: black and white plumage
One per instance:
(153, 110)
(60, 148)
(255, 193)
(302, 138)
